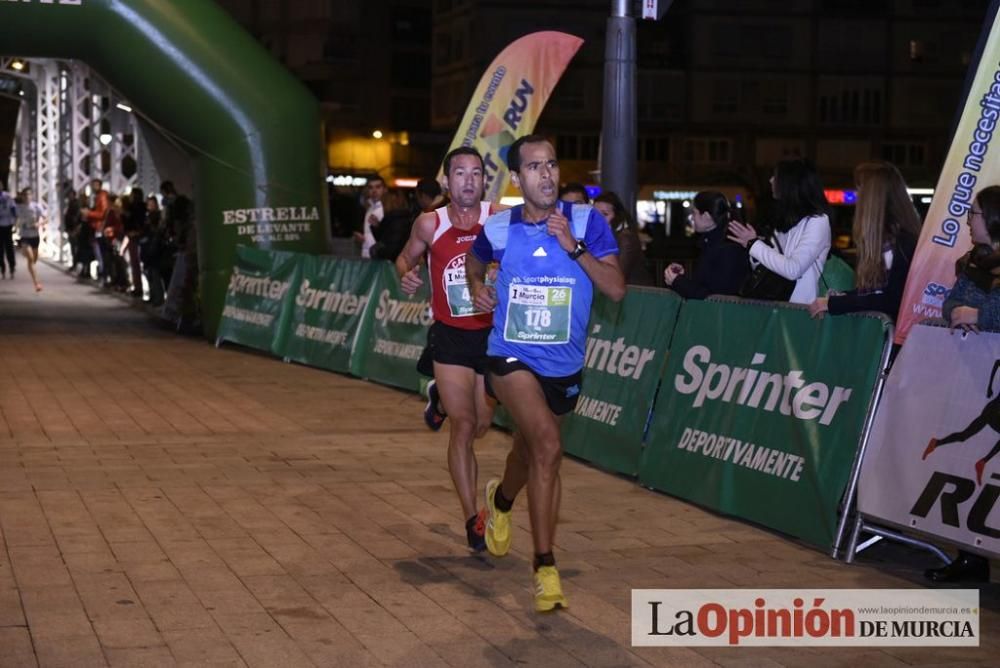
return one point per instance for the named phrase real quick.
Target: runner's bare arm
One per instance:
(604, 272)
(483, 296)
(408, 262)
(606, 275)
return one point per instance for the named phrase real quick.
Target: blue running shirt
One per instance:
(543, 296)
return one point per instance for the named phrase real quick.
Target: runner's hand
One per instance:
(486, 299)
(965, 318)
(558, 226)
(410, 282)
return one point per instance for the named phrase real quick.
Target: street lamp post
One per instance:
(618, 126)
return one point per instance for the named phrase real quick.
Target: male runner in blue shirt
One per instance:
(551, 254)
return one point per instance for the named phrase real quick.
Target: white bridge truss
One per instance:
(72, 127)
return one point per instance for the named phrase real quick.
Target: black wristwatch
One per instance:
(580, 249)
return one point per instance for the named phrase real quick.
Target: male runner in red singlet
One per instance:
(458, 336)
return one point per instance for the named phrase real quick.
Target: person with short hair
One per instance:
(8, 259)
(552, 256)
(457, 339)
(575, 193)
(429, 195)
(374, 191)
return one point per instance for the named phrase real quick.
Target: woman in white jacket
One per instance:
(802, 230)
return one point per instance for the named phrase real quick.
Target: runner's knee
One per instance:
(546, 453)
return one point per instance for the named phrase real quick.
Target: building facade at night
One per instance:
(724, 89)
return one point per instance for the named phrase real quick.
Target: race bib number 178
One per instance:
(537, 314)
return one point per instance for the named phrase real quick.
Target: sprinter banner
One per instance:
(259, 299)
(761, 410)
(396, 332)
(329, 311)
(626, 351)
(932, 464)
(510, 98)
(971, 165)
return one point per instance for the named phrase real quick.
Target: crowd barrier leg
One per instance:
(850, 494)
(853, 549)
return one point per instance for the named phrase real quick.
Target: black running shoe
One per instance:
(476, 532)
(433, 415)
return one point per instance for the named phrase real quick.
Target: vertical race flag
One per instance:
(510, 98)
(971, 164)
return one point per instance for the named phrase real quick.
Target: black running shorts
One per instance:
(561, 393)
(461, 347)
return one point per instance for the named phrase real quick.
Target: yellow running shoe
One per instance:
(497, 523)
(548, 590)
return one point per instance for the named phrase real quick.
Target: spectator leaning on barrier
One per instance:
(802, 230)
(630, 258)
(974, 303)
(723, 264)
(886, 227)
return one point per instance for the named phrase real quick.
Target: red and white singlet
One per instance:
(451, 302)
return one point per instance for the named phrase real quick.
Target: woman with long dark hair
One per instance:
(886, 227)
(974, 302)
(801, 234)
(722, 266)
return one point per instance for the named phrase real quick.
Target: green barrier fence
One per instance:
(258, 304)
(760, 412)
(626, 351)
(330, 316)
(396, 333)
(759, 409)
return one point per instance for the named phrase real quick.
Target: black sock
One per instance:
(471, 522)
(502, 504)
(544, 560)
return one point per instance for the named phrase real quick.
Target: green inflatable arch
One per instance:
(252, 129)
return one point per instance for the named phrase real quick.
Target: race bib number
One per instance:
(537, 314)
(456, 289)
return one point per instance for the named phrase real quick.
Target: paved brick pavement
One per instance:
(166, 503)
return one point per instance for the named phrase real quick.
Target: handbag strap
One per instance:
(777, 243)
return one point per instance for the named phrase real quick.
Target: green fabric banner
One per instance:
(396, 332)
(760, 412)
(837, 275)
(259, 299)
(330, 313)
(626, 352)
